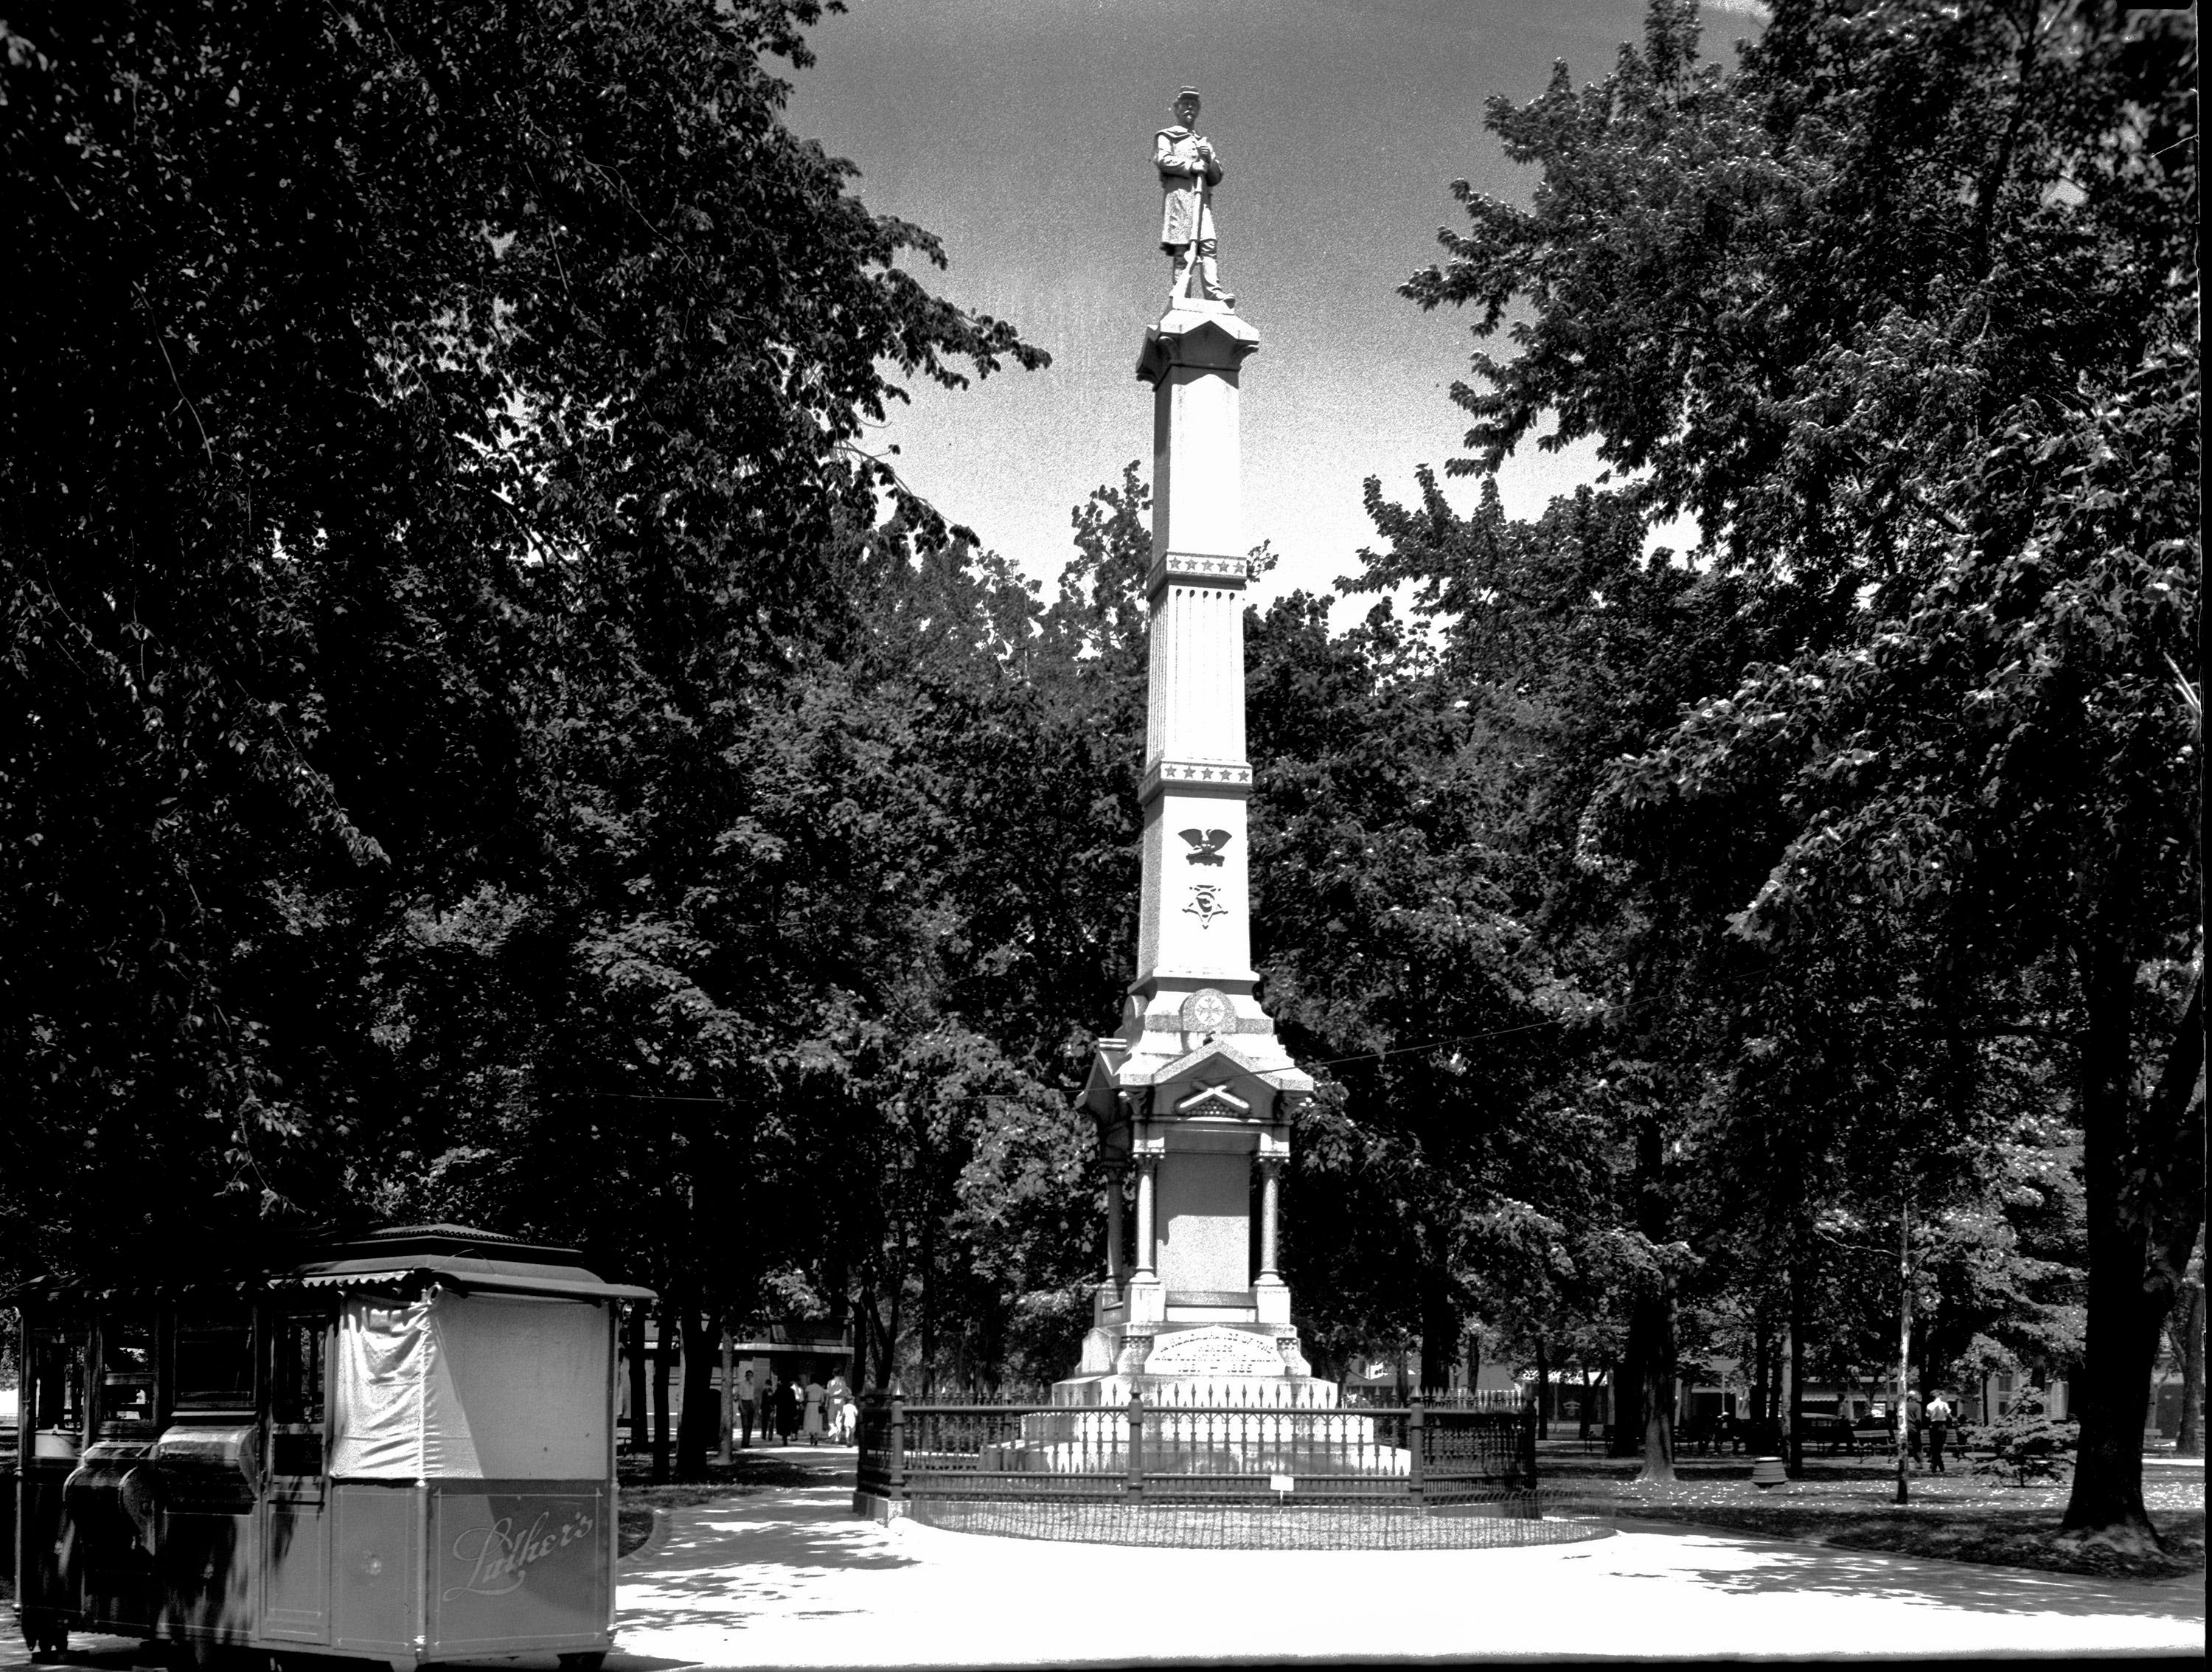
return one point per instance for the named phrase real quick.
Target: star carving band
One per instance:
(1181, 566)
(1234, 777)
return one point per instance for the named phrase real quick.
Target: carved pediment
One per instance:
(1215, 1099)
(1217, 1082)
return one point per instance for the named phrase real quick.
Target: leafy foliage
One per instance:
(1942, 800)
(429, 791)
(2028, 1445)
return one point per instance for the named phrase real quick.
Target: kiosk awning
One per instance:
(468, 1274)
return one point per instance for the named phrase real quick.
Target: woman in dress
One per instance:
(818, 1398)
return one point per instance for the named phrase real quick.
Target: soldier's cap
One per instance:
(1187, 92)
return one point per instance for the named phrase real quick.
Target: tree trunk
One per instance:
(928, 1306)
(1903, 1339)
(1794, 1452)
(1645, 1426)
(1651, 1312)
(1543, 1393)
(1628, 1439)
(634, 1358)
(837, 1283)
(1762, 1362)
(664, 1358)
(2189, 1442)
(2135, 1263)
(1582, 1406)
(1439, 1335)
(700, 1431)
(890, 1338)
(864, 1332)
(1658, 1401)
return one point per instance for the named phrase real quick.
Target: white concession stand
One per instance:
(402, 1450)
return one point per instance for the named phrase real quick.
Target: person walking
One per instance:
(748, 1406)
(817, 1423)
(1913, 1419)
(841, 1405)
(1939, 1426)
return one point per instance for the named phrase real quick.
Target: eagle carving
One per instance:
(1205, 846)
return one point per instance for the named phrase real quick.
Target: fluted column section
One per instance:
(1271, 1185)
(1114, 1225)
(1147, 1171)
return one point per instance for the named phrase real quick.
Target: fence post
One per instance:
(896, 1483)
(1136, 1445)
(1529, 1443)
(1416, 1444)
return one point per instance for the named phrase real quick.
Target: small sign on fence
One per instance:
(1281, 1483)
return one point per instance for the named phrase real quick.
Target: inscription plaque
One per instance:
(1212, 1350)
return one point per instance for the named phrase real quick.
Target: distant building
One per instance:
(806, 1351)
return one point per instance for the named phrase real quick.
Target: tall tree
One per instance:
(431, 425)
(1970, 444)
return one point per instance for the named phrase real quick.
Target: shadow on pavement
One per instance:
(722, 1567)
(1786, 1566)
(813, 1528)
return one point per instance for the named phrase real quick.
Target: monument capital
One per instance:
(1202, 335)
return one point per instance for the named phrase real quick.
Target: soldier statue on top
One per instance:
(1189, 172)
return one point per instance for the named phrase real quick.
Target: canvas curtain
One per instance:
(456, 1387)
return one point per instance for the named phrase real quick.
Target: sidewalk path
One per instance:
(793, 1580)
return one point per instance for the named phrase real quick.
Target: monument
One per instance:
(1193, 1095)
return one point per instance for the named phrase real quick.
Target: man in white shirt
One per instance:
(1939, 1425)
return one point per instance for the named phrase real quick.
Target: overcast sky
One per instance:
(1020, 131)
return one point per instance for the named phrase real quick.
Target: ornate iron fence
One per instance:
(1490, 1520)
(1171, 1451)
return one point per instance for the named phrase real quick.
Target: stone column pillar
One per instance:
(1114, 1173)
(1148, 1168)
(1271, 1176)
(1194, 925)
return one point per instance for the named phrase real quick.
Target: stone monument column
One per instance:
(1193, 1088)
(1194, 927)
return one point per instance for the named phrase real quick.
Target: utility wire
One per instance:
(1596, 1010)
(1377, 1057)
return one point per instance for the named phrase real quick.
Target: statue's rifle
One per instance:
(1200, 201)
(1204, 154)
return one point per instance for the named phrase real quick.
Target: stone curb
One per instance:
(653, 1540)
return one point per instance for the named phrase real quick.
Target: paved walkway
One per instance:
(793, 1580)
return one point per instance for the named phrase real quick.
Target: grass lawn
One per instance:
(1851, 1504)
